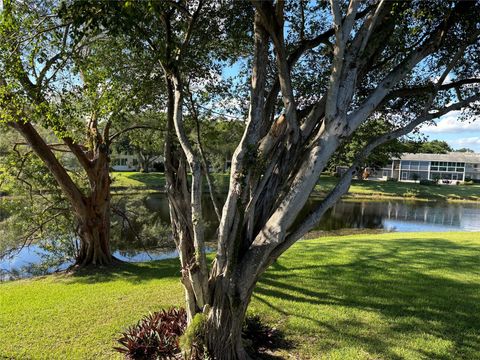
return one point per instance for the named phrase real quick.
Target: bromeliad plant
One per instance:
(156, 336)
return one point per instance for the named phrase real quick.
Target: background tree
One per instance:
(427, 147)
(220, 137)
(143, 139)
(378, 158)
(55, 81)
(464, 150)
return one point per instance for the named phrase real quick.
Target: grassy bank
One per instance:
(135, 181)
(390, 189)
(388, 296)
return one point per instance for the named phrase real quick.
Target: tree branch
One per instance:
(133, 127)
(211, 187)
(342, 186)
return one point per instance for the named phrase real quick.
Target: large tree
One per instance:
(318, 72)
(55, 83)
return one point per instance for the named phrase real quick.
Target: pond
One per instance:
(391, 215)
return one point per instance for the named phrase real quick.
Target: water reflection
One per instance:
(401, 216)
(388, 215)
(148, 228)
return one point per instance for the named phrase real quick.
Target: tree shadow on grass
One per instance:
(419, 288)
(131, 272)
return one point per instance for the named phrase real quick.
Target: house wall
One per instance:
(428, 167)
(124, 162)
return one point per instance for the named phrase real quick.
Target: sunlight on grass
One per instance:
(384, 296)
(389, 296)
(371, 188)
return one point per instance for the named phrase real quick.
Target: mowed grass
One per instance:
(371, 188)
(364, 189)
(384, 296)
(387, 296)
(155, 180)
(80, 316)
(137, 179)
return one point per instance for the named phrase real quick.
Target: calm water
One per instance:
(393, 215)
(388, 215)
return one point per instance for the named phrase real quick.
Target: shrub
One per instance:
(165, 335)
(260, 337)
(156, 336)
(468, 182)
(391, 179)
(427, 182)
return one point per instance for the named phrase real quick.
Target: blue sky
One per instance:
(457, 133)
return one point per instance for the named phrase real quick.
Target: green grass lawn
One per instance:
(384, 296)
(139, 181)
(372, 188)
(365, 189)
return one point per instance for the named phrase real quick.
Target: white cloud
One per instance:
(469, 141)
(450, 124)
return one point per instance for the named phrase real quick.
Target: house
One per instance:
(453, 166)
(132, 161)
(124, 161)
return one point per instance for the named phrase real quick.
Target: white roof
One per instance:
(450, 157)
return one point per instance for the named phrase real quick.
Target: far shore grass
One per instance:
(367, 189)
(383, 296)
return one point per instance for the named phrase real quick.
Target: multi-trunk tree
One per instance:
(318, 73)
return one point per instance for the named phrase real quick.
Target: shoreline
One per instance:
(352, 196)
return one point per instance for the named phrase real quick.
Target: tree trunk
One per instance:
(94, 217)
(94, 232)
(223, 328)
